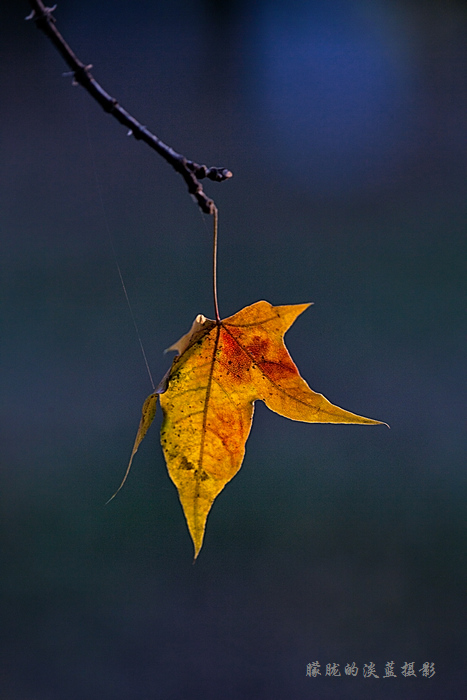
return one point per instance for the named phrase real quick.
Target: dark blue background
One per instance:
(344, 123)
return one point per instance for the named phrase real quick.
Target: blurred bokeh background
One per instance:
(344, 123)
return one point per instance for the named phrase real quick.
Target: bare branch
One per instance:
(191, 172)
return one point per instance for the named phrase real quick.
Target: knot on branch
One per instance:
(42, 13)
(213, 173)
(219, 174)
(82, 74)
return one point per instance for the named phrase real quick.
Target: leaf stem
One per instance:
(215, 214)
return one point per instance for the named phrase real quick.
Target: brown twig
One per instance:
(191, 172)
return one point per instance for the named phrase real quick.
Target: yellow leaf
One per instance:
(222, 369)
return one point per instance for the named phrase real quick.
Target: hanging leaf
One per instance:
(208, 395)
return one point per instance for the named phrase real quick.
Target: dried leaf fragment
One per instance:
(147, 416)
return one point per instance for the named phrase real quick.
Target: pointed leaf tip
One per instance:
(147, 416)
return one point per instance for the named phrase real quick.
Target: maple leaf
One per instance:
(208, 396)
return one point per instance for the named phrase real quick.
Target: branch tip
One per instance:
(191, 172)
